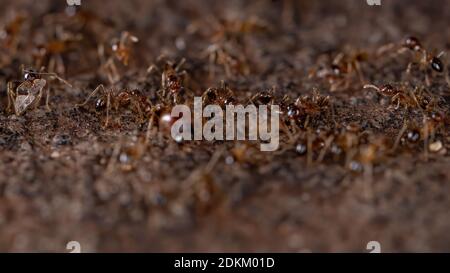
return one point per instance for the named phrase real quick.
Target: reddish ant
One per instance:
(427, 62)
(172, 79)
(121, 50)
(234, 29)
(9, 33)
(220, 96)
(342, 68)
(50, 54)
(399, 95)
(232, 64)
(111, 99)
(29, 92)
(306, 107)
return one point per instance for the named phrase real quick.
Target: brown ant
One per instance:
(220, 96)
(306, 107)
(227, 30)
(50, 53)
(342, 68)
(172, 79)
(399, 95)
(121, 51)
(427, 61)
(29, 92)
(110, 99)
(233, 64)
(263, 98)
(9, 33)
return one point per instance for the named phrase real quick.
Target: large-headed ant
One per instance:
(29, 92)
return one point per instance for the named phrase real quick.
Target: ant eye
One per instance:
(437, 64)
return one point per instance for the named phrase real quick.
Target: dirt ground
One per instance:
(351, 168)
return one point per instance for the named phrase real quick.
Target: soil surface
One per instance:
(352, 167)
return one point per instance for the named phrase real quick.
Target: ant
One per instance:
(121, 50)
(221, 96)
(227, 30)
(29, 92)
(399, 95)
(427, 61)
(267, 98)
(111, 99)
(305, 107)
(338, 74)
(51, 52)
(10, 32)
(232, 64)
(172, 79)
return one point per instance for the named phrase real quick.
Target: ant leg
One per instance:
(112, 73)
(400, 134)
(152, 68)
(386, 48)
(367, 86)
(359, 72)
(47, 99)
(396, 98)
(426, 137)
(11, 96)
(91, 95)
(212, 71)
(136, 104)
(409, 68)
(149, 129)
(427, 79)
(323, 152)
(309, 153)
(180, 64)
(108, 106)
(52, 74)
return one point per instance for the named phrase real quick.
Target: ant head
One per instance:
(412, 43)
(31, 75)
(437, 65)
